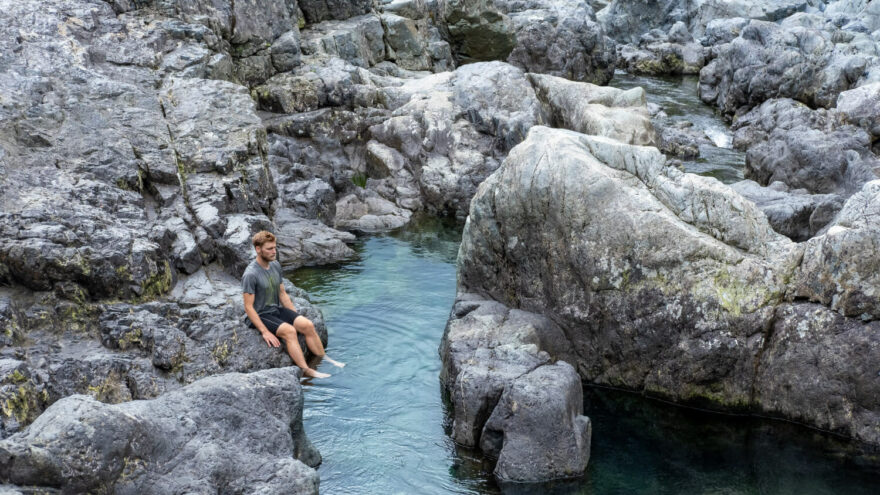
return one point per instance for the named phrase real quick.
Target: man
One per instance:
(271, 311)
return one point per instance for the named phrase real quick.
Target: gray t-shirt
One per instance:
(263, 284)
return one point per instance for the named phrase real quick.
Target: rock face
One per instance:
(777, 61)
(627, 20)
(190, 440)
(512, 398)
(596, 110)
(552, 37)
(449, 133)
(676, 286)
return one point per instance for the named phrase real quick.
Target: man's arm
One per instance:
(285, 299)
(255, 319)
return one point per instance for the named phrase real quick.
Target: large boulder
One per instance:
(190, 440)
(561, 39)
(673, 284)
(558, 38)
(511, 397)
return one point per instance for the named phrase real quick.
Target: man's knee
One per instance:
(304, 325)
(285, 331)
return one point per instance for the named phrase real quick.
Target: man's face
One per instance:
(267, 251)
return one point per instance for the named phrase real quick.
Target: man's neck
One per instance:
(262, 262)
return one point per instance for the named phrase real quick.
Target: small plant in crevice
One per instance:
(359, 179)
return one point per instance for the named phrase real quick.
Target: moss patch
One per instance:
(157, 284)
(25, 404)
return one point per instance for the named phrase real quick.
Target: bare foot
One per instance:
(334, 362)
(314, 373)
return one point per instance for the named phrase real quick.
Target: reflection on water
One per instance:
(677, 96)
(382, 427)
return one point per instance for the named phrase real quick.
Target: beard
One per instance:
(266, 257)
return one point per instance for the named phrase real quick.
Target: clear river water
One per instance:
(381, 423)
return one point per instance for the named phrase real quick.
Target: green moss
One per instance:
(738, 297)
(25, 404)
(221, 352)
(301, 22)
(359, 179)
(110, 391)
(158, 284)
(17, 377)
(131, 339)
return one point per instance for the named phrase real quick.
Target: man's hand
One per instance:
(271, 339)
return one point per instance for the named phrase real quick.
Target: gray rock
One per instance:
(406, 42)
(678, 33)
(596, 110)
(540, 412)
(366, 211)
(452, 127)
(627, 20)
(679, 139)
(325, 83)
(285, 51)
(313, 199)
(675, 285)
(358, 40)
(306, 242)
(561, 39)
(478, 30)
(661, 57)
(769, 61)
(796, 214)
(160, 446)
(805, 149)
(861, 107)
(818, 368)
(323, 10)
(840, 269)
(493, 358)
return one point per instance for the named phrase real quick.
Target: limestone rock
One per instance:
(451, 128)
(561, 39)
(493, 357)
(861, 107)
(770, 61)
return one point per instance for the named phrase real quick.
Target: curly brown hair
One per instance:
(262, 237)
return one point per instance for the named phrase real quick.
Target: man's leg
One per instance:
(305, 326)
(287, 332)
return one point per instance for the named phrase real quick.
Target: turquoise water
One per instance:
(382, 428)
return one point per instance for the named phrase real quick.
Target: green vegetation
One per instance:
(25, 404)
(359, 179)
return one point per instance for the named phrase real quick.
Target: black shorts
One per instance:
(275, 317)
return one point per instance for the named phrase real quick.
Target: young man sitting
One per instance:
(271, 310)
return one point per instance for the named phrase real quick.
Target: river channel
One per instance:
(382, 425)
